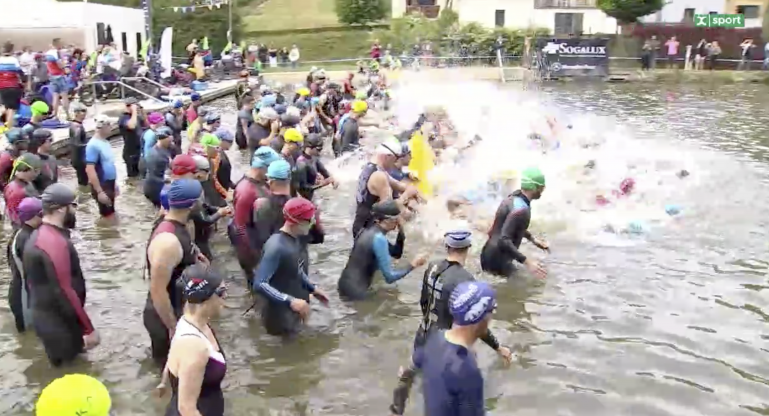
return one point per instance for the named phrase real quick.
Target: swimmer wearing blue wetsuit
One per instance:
(373, 252)
(280, 277)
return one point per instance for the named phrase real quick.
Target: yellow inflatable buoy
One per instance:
(422, 162)
(74, 394)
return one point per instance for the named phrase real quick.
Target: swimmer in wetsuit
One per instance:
(440, 280)
(309, 169)
(19, 298)
(170, 250)
(52, 268)
(242, 230)
(375, 185)
(510, 227)
(279, 276)
(17, 144)
(372, 252)
(26, 169)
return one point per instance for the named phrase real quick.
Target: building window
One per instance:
(713, 13)
(138, 43)
(568, 24)
(499, 18)
(124, 41)
(750, 12)
(688, 15)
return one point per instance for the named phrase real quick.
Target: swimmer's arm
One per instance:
(527, 235)
(266, 271)
(299, 177)
(317, 232)
(382, 254)
(306, 281)
(489, 339)
(92, 157)
(192, 369)
(514, 221)
(244, 127)
(323, 171)
(350, 134)
(165, 253)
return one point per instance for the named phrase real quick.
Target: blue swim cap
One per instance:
(269, 100)
(263, 157)
(184, 193)
(224, 135)
(637, 227)
(458, 239)
(164, 132)
(470, 302)
(195, 96)
(178, 104)
(315, 100)
(280, 108)
(279, 170)
(164, 197)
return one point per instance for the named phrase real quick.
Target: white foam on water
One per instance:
(504, 118)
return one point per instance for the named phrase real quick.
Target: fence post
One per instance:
(501, 66)
(687, 62)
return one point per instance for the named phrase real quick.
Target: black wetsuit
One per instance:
(19, 298)
(364, 199)
(156, 162)
(440, 279)
(305, 174)
(510, 227)
(49, 173)
(280, 279)
(204, 217)
(268, 217)
(156, 329)
(371, 252)
(224, 173)
(177, 127)
(78, 139)
(55, 279)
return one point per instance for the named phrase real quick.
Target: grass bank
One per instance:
(322, 45)
(287, 14)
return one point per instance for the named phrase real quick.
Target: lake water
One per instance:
(669, 321)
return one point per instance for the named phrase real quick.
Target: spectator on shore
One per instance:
(273, 53)
(701, 53)
(713, 53)
(376, 50)
(192, 50)
(654, 47)
(766, 56)
(293, 56)
(646, 53)
(283, 55)
(262, 53)
(672, 48)
(747, 46)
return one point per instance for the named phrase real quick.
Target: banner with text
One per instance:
(575, 57)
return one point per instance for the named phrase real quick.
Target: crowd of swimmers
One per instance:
(272, 221)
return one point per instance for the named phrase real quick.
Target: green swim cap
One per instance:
(74, 394)
(39, 108)
(209, 140)
(361, 95)
(532, 178)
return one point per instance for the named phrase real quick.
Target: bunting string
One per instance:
(209, 4)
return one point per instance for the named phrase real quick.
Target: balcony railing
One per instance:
(430, 12)
(564, 4)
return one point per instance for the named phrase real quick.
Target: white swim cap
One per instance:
(390, 146)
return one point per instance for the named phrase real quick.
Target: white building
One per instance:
(678, 11)
(561, 17)
(36, 23)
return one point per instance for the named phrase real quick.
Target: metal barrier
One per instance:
(144, 79)
(123, 86)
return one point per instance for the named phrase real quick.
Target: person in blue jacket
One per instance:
(372, 252)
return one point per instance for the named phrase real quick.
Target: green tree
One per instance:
(765, 29)
(628, 11)
(360, 12)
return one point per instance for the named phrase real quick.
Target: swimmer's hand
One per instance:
(542, 245)
(321, 296)
(161, 390)
(91, 340)
(202, 258)
(225, 211)
(535, 268)
(419, 261)
(301, 307)
(506, 354)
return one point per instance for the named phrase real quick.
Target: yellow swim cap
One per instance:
(39, 108)
(507, 174)
(303, 92)
(359, 106)
(293, 135)
(74, 395)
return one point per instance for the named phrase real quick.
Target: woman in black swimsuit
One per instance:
(196, 364)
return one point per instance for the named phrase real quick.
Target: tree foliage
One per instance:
(628, 11)
(447, 35)
(766, 21)
(360, 12)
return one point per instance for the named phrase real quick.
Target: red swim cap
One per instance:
(627, 185)
(183, 164)
(298, 210)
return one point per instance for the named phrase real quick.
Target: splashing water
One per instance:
(583, 157)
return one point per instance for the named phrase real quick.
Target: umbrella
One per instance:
(108, 36)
